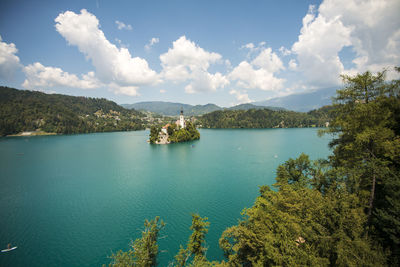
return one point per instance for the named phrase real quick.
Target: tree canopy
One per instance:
(22, 110)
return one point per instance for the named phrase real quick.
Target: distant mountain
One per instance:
(174, 109)
(302, 102)
(251, 106)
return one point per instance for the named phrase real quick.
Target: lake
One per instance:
(71, 200)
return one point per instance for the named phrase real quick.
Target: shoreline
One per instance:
(33, 133)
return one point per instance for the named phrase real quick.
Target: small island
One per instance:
(180, 131)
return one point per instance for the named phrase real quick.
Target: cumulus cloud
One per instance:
(317, 49)
(152, 42)
(186, 61)
(203, 81)
(370, 28)
(39, 76)
(123, 26)
(124, 90)
(292, 64)
(9, 61)
(240, 97)
(114, 66)
(259, 73)
(268, 60)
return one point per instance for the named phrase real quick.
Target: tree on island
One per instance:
(176, 134)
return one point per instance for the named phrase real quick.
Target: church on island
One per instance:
(180, 131)
(181, 123)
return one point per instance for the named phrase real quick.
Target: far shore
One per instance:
(33, 133)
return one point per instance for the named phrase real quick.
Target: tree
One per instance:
(299, 225)
(366, 125)
(143, 250)
(154, 131)
(195, 248)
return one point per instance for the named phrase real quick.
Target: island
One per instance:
(179, 131)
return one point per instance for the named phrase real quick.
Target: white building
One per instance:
(181, 122)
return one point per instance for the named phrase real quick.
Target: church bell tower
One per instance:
(182, 119)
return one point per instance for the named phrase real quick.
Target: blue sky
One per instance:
(196, 52)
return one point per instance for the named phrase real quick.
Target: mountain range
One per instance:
(303, 102)
(174, 109)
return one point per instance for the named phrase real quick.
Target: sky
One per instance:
(194, 52)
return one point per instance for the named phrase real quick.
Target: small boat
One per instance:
(8, 249)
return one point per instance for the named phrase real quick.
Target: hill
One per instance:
(22, 110)
(252, 106)
(172, 109)
(302, 102)
(265, 118)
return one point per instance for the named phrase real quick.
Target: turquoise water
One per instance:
(71, 200)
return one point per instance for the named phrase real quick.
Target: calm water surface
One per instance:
(72, 200)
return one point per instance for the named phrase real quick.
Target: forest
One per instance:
(22, 110)
(340, 211)
(265, 118)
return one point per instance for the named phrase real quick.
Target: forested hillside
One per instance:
(265, 118)
(22, 110)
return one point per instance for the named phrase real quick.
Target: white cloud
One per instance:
(9, 62)
(292, 64)
(123, 26)
(285, 51)
(39, 77)
(371, 28)
(249, 46)
(113, 65)
(162, 91)
(152, 42)
(240, 97)
(259, 73)
(317, 49)
(203, 81)
(124, 90)
(187, 61)
(268, 60)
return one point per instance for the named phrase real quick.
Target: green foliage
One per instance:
(175, 133)
(154, 131)
(366, 124)
(22, 110)
(197, 239)
(265, 118)
(184, 134)
(299, 225)
(194, 253)
(143, 250)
